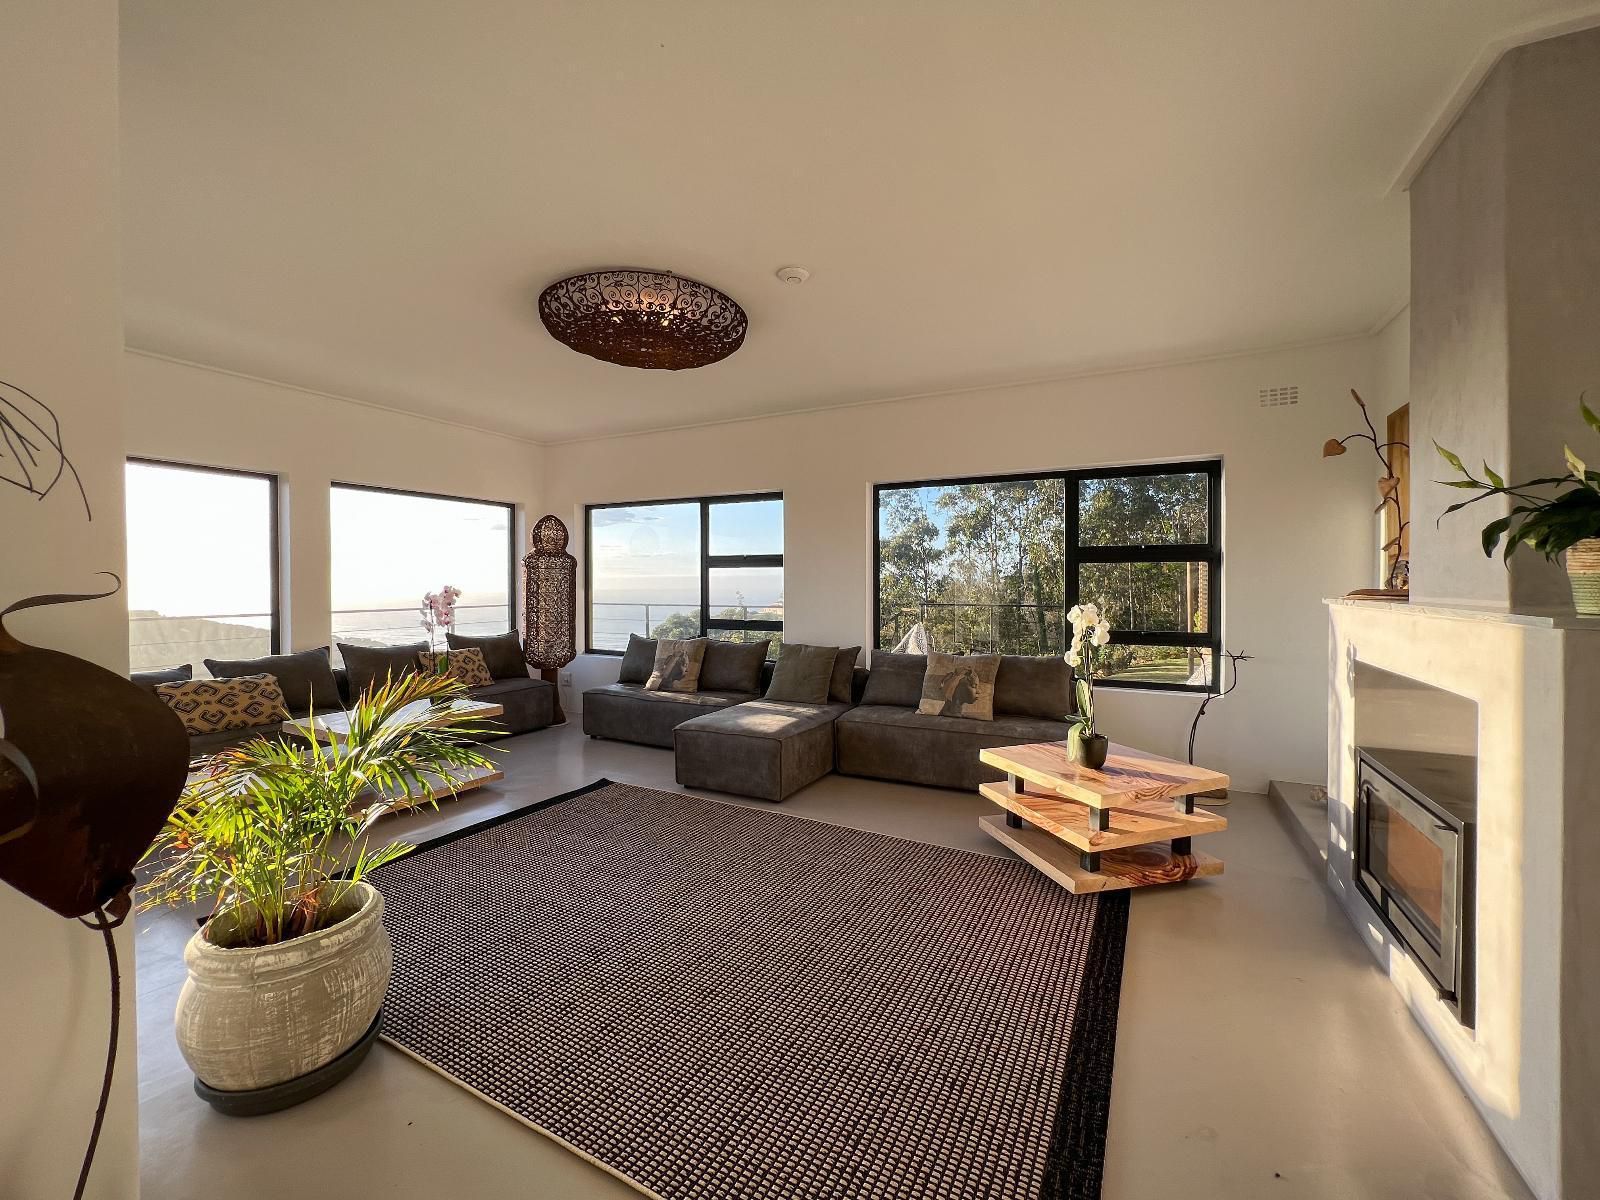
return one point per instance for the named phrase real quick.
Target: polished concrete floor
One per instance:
(1260, 1052)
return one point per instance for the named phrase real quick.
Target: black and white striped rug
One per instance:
(710, 1000)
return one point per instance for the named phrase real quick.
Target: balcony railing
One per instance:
(611, 621)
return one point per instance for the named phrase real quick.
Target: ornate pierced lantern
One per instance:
(550, 577)
(644, 319)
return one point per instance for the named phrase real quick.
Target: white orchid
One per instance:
(1090, 631)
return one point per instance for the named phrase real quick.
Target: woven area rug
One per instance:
(710, 1000)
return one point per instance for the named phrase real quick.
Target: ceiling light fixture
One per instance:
(653, 320)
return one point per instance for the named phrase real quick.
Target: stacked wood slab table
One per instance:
(449, 783)
(1125, 825)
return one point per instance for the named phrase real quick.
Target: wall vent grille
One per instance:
(1279, 397)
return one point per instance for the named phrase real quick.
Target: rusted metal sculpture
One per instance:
(550, 576)
(90, 767)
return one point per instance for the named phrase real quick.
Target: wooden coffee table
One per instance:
(1125, 825)
(335, 727)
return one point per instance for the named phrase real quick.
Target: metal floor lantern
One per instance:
(550, 577)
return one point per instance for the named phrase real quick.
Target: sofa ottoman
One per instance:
(765, 749)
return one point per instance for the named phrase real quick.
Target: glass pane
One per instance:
(390, 549)
(1167, 597)
(978, 565)
(644, 573)
(747, 593)
(747, 527)
(1144, 510)
(179, 610)
(1185, 665)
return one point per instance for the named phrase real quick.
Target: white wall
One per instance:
(193, 414)
(1296, 528)
(61, 340)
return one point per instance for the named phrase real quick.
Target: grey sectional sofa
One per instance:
(310, 682)
(739, 742)
(884, 737)
(626, 711)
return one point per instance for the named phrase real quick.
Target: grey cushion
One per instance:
(895, 679)
(501, 651)
(638, 660)
(1034, 687)
(844, 669)
(369, 665)
(733, 666)
(891, 742)
(306, 677)
(627, 712)
(149, 680)
(804, 673)
(766, 749)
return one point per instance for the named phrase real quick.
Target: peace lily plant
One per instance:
(1567, 522)
(1090, 632)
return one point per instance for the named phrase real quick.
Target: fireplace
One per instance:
(1415, 851)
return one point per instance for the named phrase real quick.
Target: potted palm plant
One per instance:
(1566, 522)
(287, 976)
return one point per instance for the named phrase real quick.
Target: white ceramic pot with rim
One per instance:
(1583, 571)
(250, 1017)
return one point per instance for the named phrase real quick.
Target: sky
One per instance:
(198, 545)
(651, 552)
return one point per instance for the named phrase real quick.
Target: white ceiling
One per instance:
(366, 198)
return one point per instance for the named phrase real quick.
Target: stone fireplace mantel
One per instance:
(1532, 1060)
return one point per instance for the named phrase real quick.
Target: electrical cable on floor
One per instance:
(105, 925)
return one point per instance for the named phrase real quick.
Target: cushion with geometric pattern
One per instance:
(468, 667)
(220, 705)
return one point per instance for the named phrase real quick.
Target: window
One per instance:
(992, 565)
(391, 547)
(685, 568)
(202, 564)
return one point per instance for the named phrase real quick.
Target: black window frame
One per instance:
(1074, 556)
(274, 531)
(708, 563)
(511, 536)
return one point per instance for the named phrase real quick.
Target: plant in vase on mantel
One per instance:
(288, 973)
(1566, 522)
(1090, 632)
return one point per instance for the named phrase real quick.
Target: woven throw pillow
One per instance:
(959, 686)
(221, 705)
(803, 673)
(468, 667)
(677, 668)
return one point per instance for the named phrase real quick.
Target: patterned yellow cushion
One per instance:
(467, 666)
(220, 705)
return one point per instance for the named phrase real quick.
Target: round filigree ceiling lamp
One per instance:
(647, 319)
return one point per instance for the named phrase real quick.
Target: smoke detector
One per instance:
(793, 274)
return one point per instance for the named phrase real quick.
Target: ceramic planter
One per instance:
(1089, 749)
(254, 1018)
(1583, 570)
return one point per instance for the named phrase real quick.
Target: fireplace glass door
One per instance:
(1412, 857)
